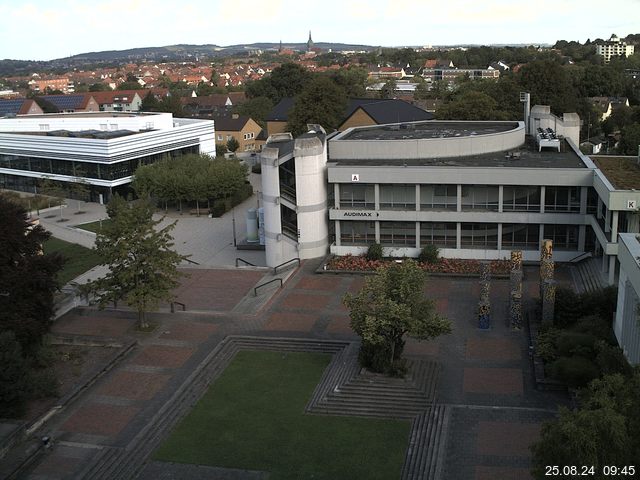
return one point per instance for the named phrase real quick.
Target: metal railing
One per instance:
(191, 261)
(582, 256)
(275, 269)
(238, 259)
(255, 290)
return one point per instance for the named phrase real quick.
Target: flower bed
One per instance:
(444, 265)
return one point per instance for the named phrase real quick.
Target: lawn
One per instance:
(93, 226)
(79, 259)
(253, 418)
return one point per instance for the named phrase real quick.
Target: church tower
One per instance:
(309, 42)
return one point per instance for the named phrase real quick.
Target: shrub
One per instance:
(610, 359)
(429, 254)
(595, 325)
(376, 358)
(218, 208)
(546, 344)
(575, 371)
(570, 306)
(43, 383)
(375, 252)
(574, 343)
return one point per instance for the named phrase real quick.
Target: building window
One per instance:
(565, 237)
(357, 196)
(398, 197)
(289, 220)
(442, 235)
(479, 235)
(44, 127)
(480, 197)
(287, 173)
(219, 137)
(562, 199)
(520, 236)
(398, 234)
(438, 197)
(521, 199)
(357, 233)
(229, 137)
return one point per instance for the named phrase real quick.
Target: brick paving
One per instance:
(486, 378)
(100, 419)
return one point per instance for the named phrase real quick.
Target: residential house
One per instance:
(19, 106)
(119, 100)
(606, 105)
(81, 102)
(243, 129)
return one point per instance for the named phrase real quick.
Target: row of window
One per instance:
(100, 171)
(472, 235)
(474, 197)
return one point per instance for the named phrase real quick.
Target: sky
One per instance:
(49, 29)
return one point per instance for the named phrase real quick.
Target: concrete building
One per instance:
(474, 189)
(103, 149)
(626, 325)
(614, 47)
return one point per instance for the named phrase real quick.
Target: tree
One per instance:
(388, 90)
(149, 103)
(287, 80)
(605, 430)
(143, 267)
(233, 145)
(28, 281)
(255, 108)
(99, 87)
(13, 374)
(549, 84)
(630, 140)
(391, 305)
(471, 105)
(322, 102)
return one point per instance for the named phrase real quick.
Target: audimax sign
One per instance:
(360, 214)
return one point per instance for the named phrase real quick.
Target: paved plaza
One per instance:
(494, 411)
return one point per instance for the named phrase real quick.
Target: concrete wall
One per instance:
(567, 126)
(429, 147)
(626, 325)
(87, 121)
(311, 197)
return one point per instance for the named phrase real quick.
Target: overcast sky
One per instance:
(48, 29)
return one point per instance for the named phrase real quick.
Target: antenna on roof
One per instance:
(525, 98)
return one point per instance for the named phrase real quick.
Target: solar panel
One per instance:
(65, 102)
(8, 107)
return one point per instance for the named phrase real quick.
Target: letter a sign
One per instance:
(355, 177)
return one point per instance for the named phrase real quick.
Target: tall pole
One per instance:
(233, 221)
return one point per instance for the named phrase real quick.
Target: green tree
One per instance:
(605, 430)
(388, 90)
(143, 266)
(28, 280)
(13, 374)
(353, 80)
(630, 140)
(149, 103)
(99, 87)
(391, 305)
(549, 84)
(287, 80)
(233, 145)
(255, 108)
(322, 102)
(471, 105)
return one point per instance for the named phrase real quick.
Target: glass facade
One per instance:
(520, 236)
(287, 172)
(398, 197)
(439, 197)
(357, 196)
(289, 220)
(357, 233)
(98, 171)
(480, 197)
(521, 199)
(398, 234)
(441, 235)
(479, 235)
(565, 237)
(562, 199)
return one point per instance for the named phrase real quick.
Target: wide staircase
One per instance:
(588, 276)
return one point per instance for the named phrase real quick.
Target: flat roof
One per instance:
(428, 129)
(89, 115)
(526, 156)
(622, 172)
(96, 134)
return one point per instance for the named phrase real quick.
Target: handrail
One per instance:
(583, 254)
(243, 260)
(275, 269)
(173, 308)
(255, 290)
(191, 261)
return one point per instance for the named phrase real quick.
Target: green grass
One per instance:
(79, 258)
(93, 226)
(253, 418)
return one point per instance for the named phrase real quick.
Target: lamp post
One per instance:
(233, 221)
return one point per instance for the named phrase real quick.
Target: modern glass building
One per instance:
(103, 149)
